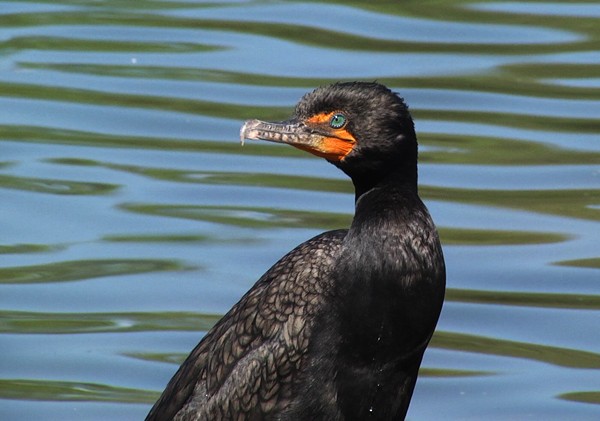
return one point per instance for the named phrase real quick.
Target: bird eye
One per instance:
(337, 121)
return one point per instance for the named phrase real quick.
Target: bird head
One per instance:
(363, 128)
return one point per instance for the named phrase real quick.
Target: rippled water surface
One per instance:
(131, 217)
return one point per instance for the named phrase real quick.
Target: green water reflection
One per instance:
(79, 270)
(180, 238)
(584, 397)
(54, 186)
(582, 263)
(90, 45)
(527, 299)
(93, 97)
(28, 248)
(76, 323)
(564, 357)
(52, 390)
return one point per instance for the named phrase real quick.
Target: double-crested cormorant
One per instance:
(336, 329)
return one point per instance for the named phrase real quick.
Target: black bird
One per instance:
(336, 329)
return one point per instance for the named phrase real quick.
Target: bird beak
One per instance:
(320, 142)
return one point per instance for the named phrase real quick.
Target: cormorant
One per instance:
(336, 329)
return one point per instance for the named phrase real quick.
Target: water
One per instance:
(132, 218)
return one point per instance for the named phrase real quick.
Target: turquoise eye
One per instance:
(337, 121)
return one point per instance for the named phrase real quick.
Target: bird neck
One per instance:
(390, 271)
(403, 180)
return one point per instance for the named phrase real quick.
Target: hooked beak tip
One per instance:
(246, 130)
